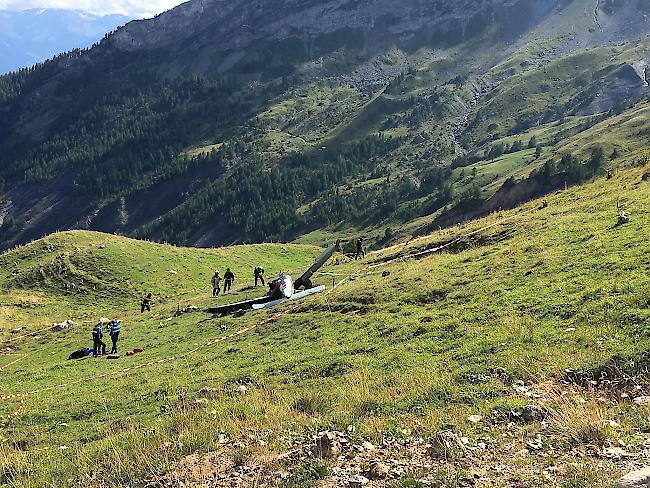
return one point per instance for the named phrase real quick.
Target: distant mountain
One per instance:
(225, 121)
(34, 35)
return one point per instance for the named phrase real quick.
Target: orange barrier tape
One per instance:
(145, 365)
(18, 411)
(50, 328)
(13, 362)
(242, 331)
(29, 334)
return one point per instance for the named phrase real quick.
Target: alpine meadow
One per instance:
(446, 204)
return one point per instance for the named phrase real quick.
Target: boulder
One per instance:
(529, 413)
(642, 400)
(378, 470)
(62, 326)
(445, 445)
(635, 479)
(207, 391)
(327, 445)
(357, 481)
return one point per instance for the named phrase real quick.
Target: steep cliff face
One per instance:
(219, 35)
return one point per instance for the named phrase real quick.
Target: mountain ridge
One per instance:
(34, 35)
(212, 96)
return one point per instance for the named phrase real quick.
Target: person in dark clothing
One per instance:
(114, 329)
(228, 280)
(361, 253)
(216, 284)
(146, 303)
(259, 275)
(99, 347)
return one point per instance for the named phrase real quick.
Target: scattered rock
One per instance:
(475, 419)
(635, 479)
(182, 311)
(378, 470)
(202, 401)
(642, 400)
(207, 391)
(367, 446)
(328, 445)
(62, 326)
(615, 452)
(357, 481)
(445, 445)
(241, 389)
(530, 413)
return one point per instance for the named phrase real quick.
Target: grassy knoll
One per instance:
(398, 357)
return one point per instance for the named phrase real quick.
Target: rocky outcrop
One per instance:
(635, 479)
(224, 35)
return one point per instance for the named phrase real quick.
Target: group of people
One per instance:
(229, 279)
(113, 327)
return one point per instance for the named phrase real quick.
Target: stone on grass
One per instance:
(635, 479)
(642, 400)
(475, 419)
(378, 470)
(357, 481)
(207, 391)
(445, 445)
(367, 446)
(327, 445)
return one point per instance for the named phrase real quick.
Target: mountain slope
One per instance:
(546, 305)
(32, 36)
(222, 122)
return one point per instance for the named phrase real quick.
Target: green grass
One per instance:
(439, 339)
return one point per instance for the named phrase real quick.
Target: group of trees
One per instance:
(258, 201)
(127, 142)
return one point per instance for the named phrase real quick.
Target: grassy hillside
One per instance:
(77, 272)
(522, 307)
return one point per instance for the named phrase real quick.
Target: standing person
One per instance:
(361, 253)
(146, 303)
(99, 347)
(259, 275)
(114, 329)
(216, 284)
(228, 280)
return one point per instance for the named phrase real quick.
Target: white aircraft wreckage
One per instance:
(282, 289)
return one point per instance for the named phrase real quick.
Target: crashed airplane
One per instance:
(282, 289)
